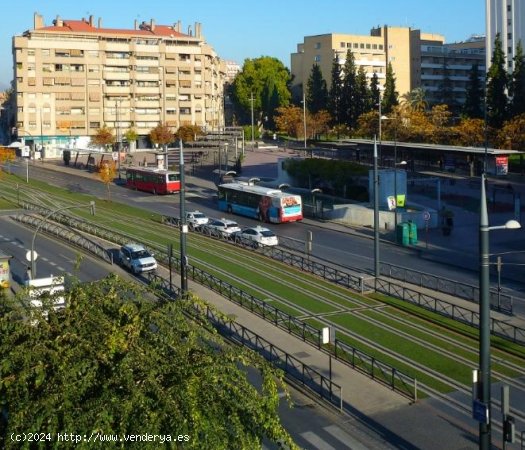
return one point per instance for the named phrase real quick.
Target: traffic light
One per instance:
(509, 430)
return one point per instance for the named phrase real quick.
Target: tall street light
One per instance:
(484, 316)
(253, 144)
(117, 117)
(91, 205)
(376, 213)
(183, 227)
(304, 120)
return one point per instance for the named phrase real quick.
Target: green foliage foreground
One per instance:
(117, 363)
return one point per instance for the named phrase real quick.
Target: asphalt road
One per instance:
(348, 249)
(54, 257)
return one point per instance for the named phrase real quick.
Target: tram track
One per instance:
(217, 249)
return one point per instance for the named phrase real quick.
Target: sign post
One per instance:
(426, 217)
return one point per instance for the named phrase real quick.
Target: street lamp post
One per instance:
(117, 108)
(304, 120)
(44, 220)
(484, 316)
(253, 144)
(376, 213)
(183, 227)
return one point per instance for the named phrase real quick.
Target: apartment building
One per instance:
(451, 64)
(418, 59)
(506, 17)
(401, 46)
(73, 77)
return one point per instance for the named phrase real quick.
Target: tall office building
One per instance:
(73, 77)
(506, 17)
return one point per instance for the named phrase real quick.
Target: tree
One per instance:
(115, 362)
(470, 132)
(161, 135)
(335, 95)
(188, 133)
(440, 117)
(472, 107)
(496, 87)
(131, 135)
(103, 137)
(415, 100)
(348, 93)
(257, 77)
(512, 134)
(517, 83)
(446, 89)
(375, 93)
(390, 95)
(6, 156)
(316, 91)
(318, 123)
(289, 120)
(363, 95)
(107, 173)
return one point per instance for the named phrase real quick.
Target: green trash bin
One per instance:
(412, 233)
(402, 234)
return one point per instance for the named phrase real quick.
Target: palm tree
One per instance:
(415, 100)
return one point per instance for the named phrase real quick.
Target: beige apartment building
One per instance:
(73, 77)
(400, 46)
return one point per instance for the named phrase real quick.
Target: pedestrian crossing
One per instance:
(330, 437)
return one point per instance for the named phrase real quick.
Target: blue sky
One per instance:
(240, 29)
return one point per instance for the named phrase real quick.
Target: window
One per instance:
(356, 45)
(509, 50)
(31, 52)
(94, 125)
(317, 58)
(93, 53)
(342, 45)
(62, 53)
(380, 46)
(509, 36)
(374, 46)
(361, 45)
(317, 45)
(46, 52)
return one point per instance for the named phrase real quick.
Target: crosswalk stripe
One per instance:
(315, 440)
(344, 437)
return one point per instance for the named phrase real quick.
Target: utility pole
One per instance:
(253, 144)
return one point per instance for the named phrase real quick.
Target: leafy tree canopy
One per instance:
(188, 133)
(116, 362)
(266, 78)
(103, 137)
(161, 134)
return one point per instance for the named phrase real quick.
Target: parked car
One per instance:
(257, 236)
(225, 227)
(196, 218)
(136, 258)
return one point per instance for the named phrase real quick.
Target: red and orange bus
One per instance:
(150, 179)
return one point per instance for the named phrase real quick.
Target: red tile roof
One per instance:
(83, 26)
